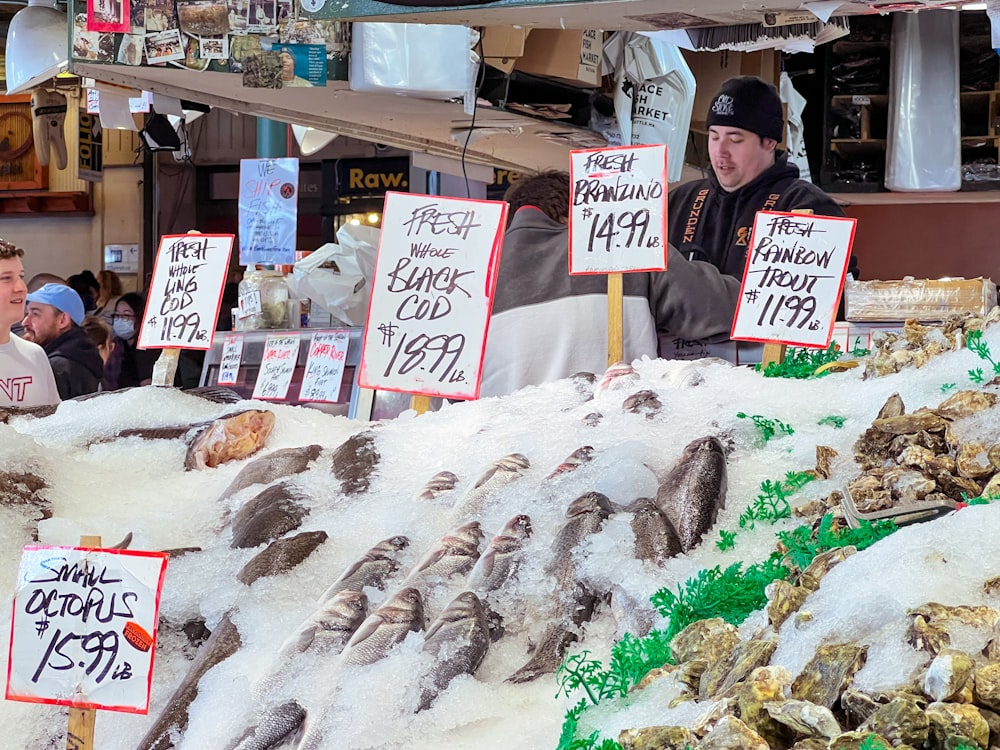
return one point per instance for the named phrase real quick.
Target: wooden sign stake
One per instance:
(616, 351)
(420, 404)
(80, 727)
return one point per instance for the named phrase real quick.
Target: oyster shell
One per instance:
(947, 674)
(743, 659)
(783, 600)
(732, 734)
(712, 639)
(805, 717)
(986, 686)
(765, 685)
(828, 673)
(965, 404)
(951, 720)
(657, 738)
(822, 564)
(973, 462)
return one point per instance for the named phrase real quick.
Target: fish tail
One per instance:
(548, 656)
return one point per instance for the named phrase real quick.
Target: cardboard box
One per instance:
(502, 45)
(570, 55)
(927, 300)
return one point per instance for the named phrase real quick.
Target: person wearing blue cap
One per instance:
(55, 313)
(25, 375)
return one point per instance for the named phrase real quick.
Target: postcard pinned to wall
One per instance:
(164, 46)
(203, 17)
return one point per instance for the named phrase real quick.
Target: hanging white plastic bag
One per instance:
(654, 94)
(344, 293)
(795, 139)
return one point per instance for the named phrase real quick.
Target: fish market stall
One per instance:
(313, 596)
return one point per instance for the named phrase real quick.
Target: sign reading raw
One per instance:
(618, 209)
(268, 208)
(793, 279)
(432, 293)
(186, 291)
(84, 629)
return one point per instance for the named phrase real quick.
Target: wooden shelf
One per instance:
(41, 202)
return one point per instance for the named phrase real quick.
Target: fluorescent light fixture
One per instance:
(311, 140)
(37, 45)
(974, 6)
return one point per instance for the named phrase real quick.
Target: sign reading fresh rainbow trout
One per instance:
(432, 292)
(793, 278)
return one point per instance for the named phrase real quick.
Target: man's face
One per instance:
(287, 66)
(738, 156)
(43, 323)
(12, 293)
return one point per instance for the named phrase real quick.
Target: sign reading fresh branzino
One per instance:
(186, 291)
(431, 295)
(618, 211)
(84, 628)
(793, 279)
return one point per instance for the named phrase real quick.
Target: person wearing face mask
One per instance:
(137, 364)
(710, 220)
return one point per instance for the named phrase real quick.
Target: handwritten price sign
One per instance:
(793, 279)
(84, 630)
(232, 355)
(432, 292)
(325, 366)
(618, 212)
(186, 291)
(281, 354)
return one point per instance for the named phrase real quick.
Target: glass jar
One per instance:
(272, 291)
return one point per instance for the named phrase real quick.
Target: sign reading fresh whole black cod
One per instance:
(793, 278)
(432, 292)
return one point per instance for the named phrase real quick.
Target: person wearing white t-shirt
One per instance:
(26, 377)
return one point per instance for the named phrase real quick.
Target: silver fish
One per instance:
(371, 569)
(280, 556)
(274, 725)
(275, 465)
(458, 640)
(582, 455)
(385, 628)
(215, 393)
(695, 490)
(656, 539)
(454, 555)
(232, 437)
(632, 614)
(438, 484)
(273, 512)
(354, 460)
(223, 643)
(323, 634)
(643, 402)
(575, 606)
(501, 472)
(502, 556)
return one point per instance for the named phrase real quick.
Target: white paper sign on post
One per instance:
(232, 355)
(618, 209)
(281, 353)
(186, 291)
(325, 366)
(84, 628)
(432, 292)
(793, 279)
(268, 210)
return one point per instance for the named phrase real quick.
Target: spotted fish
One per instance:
(273, 512)
(694, 490)
(280, 556)
(656, 539)
(353, 462)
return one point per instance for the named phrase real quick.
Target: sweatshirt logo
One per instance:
(743, 236)
(723, 106)
(14, 388)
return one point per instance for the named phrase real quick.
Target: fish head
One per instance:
(349, 603)
(519, 527)
(515, 462)
(467, 534)
(645, 401)
(395, 543)
(591, 502)
(406, 605)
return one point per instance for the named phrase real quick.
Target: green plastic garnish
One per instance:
(727, 540)
(833, 421)
(802, 363)
(768, 428)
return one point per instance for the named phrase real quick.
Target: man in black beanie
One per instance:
(711, 219)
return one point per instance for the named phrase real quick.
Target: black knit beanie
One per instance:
(749, 103)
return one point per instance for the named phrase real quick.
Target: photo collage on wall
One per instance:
(265, 41)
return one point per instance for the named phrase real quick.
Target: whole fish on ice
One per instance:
(656, 539)
(280, 556)
(575, 603)
(274, 725)
(458, 640)
(442, 482)
(502, 557)
(455, 554)
(353, 462)
(500, 473)
(271, 513)
(695, 490)
(275, 465)
(371, 569)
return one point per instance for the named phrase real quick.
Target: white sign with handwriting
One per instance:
(281, 353)
(794, 276)
(84, 629)
(432, 292)
(325, 366)
(232, 355)
(618, 209)
(186, 291)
